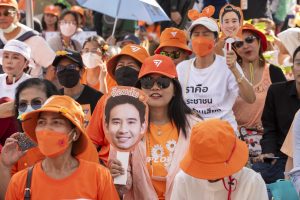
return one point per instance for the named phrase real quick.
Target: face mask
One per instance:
(202, 46)
(12, 27)
(52, 143)
(67, 29)
(68, 77)
(126, 76)
(91, 60)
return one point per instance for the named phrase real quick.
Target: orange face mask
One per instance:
(202, 46)
(52, 143)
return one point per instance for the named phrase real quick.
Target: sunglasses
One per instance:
(173, 55)
(162, 82)
(60, 68)
(35, 104)
(7, 12)
(248, 40)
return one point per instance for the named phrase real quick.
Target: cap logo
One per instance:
(134, 48)
(157, 62)
(173, 34)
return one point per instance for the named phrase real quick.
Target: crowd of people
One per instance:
(204, 106)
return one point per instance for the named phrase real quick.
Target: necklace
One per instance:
(160, 130)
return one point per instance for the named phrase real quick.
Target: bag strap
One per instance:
(27, 195)
(26, 36)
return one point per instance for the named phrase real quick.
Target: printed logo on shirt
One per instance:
(134, 48)
(173, 34)
(157, 62)
(158, 154)
(87, 113)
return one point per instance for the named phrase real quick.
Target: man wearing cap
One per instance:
(10, 28)
(15, 59)
(124, 69)
(213, 167)
(69, 68)
(211, 83)
(173, 43)
(130, 39)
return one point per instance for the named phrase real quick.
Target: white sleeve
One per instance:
(179, 188)
(258, 188)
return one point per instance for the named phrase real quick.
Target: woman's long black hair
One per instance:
(177, 109)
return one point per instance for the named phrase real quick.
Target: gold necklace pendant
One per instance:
(159, 132)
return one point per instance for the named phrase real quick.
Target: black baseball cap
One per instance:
(70, 54)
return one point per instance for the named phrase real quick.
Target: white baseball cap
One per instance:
(17, 47)
(209, 23)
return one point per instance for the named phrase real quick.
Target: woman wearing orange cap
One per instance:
(261, 75)
(60, 135)
(123, 68)
(50, 19)
(155, 161)
(173, 43)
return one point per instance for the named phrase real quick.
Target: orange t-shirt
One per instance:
(161, 143)
(109, 80)
(34, 155)
(96, 132)
(88, 181)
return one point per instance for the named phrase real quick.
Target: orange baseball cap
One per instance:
(68, 108)
(158, 64)
(11, 3)
(215, 151)
(262, 37)
(135, 51)
(173, 37)
(51, 9)
(78, 10)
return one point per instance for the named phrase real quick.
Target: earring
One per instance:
(74, 137)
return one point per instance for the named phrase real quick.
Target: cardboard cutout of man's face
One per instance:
(126, 117)
(231, 22)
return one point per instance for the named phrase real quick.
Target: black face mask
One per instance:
(126, 76)
(68, 77)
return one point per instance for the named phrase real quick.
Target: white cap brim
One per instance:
(207, 22)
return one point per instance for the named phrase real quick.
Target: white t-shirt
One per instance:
(211, 91)
(41, 53)
(9, 90)
(249, 186)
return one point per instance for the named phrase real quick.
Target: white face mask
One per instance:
(91, 60)
(67, 29)
(12, 27)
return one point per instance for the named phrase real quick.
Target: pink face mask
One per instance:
(67, 29)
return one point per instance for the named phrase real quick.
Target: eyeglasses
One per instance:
(250, 39)
(173, 55)
(35, 104)
(162, 82)
(7, 12)
(60, 68)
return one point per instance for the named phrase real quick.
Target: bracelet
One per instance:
(239, 80)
